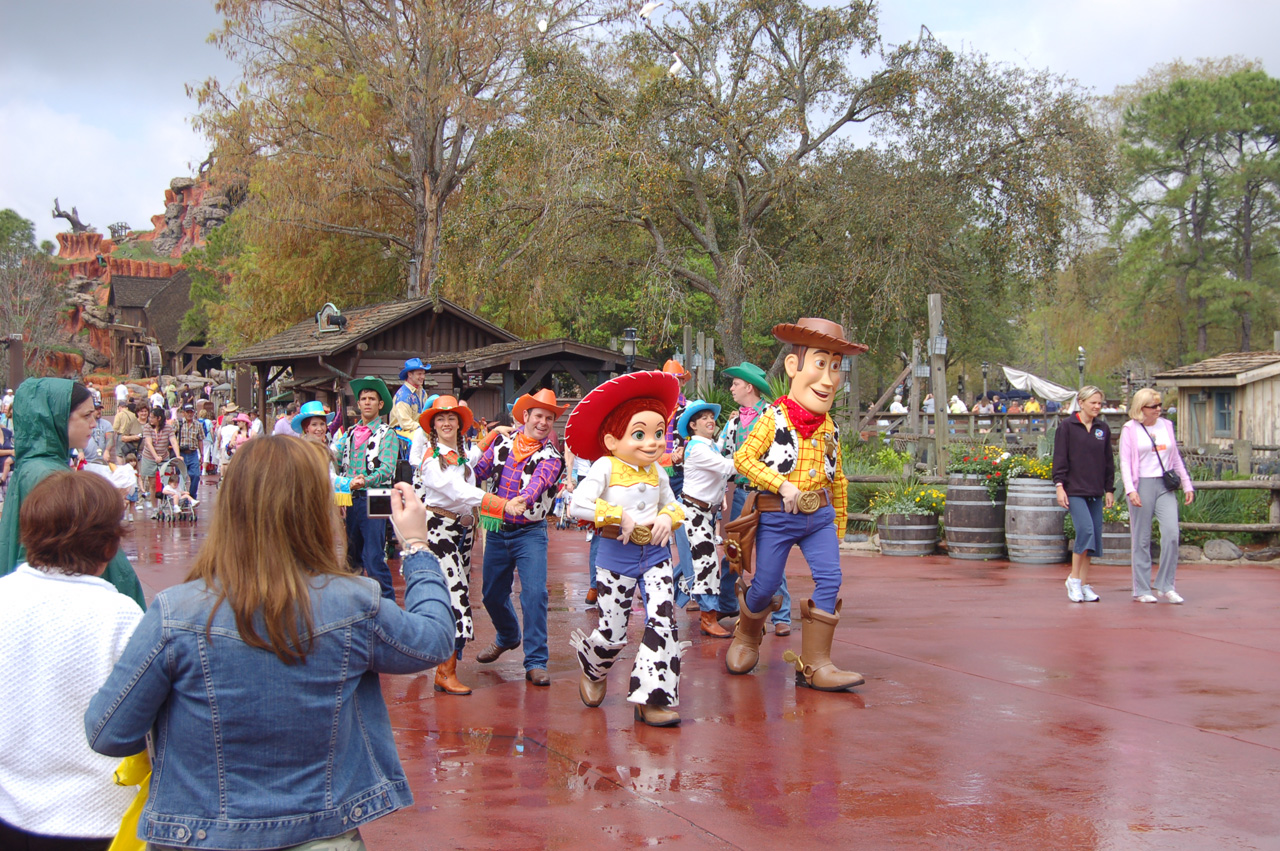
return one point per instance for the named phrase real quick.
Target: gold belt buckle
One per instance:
(809, 502)
(641, 535)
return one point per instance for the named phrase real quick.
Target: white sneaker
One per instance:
(1073, 591)
(1086, 593)
(1172, 596)
(1145, 598)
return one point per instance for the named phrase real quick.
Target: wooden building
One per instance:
(1233, 396)
(470, 357)
(146, 324)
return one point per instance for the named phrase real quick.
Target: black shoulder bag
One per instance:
(1172, 481)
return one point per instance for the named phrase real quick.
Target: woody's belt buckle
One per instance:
(641, 535)
(809, 502)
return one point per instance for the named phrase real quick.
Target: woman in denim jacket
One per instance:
(258, 679)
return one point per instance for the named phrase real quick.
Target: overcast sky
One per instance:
(93, 108)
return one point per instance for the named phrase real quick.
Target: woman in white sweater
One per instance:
(70, 626)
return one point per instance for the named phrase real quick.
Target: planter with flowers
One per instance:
(974, 518)
(907, 518)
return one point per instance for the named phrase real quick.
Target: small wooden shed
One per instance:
(1229, 397)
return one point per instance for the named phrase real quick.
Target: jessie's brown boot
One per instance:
(709, 625)
(744, 652)
(814, 668)
(447, 677)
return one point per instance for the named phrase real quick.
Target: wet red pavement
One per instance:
(996, 714)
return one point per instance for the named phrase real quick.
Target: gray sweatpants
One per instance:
(1163, 506)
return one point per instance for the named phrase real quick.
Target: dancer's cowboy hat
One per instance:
(816, 333)
(412, 364)
(447, 405)
(307, 411)
(582, 432)
(751, 374)
(674, 367)
(375, 384)
(692, 410)
(544, 398)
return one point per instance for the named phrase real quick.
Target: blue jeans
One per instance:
(682, 570)
(192, 460)
(727, 603)
(367, 541)
(816, 535)
(1086, 516)
(592, 554)
(524, 550)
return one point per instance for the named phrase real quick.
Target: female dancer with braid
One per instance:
(446, 484)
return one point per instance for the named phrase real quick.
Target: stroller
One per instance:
(171, 509)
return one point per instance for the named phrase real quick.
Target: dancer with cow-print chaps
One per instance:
(621, 427)
(706, 475)
(445, 482)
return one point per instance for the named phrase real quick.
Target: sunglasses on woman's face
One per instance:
(1156, 405)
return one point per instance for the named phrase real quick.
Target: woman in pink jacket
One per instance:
(1149, 447)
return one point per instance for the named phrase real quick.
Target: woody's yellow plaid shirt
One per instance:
(810, 472)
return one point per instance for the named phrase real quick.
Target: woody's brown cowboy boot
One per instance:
(744, 652)
(710, 625)
(814, 668)
(447, 677)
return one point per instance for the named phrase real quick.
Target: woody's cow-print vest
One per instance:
(371, 446)
(782, 454)
(502, 450)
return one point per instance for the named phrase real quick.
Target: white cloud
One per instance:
(110, 173)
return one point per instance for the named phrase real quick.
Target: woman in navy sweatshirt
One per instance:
(1084, 473)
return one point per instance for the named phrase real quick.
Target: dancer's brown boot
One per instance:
(744, 652)
(592, 691)
(447, 677)
(657, 716)
(709, 625)
(814, 668)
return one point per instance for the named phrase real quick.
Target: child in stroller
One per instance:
(175, 503)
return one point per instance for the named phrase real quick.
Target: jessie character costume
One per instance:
(706, 473)
(529, 467)
(445, 481)
(620, 489)
(792, 457)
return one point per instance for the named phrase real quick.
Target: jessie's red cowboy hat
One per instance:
(582, 432)
(817, 334)
(544, 398)
(447, 404)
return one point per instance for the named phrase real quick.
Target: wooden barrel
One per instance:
(972, 523)
(907, 534)
(1033, 523)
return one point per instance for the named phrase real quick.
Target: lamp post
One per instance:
(1080, 364)
(629, 347)
(986, 367)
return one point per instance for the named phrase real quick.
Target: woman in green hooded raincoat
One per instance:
(41, 414)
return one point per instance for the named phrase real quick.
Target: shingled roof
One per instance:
(304, 340)
(502, 354)
(132, 291)
(1229, 365)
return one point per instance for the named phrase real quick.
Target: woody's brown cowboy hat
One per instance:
(544, 398)
(816, 333)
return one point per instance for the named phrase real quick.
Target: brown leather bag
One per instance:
(740, 538)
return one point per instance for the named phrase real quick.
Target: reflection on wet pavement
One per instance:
(995, 715)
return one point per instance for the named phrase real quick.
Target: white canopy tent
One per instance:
(1040, 387)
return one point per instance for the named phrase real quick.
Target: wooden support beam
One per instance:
(534, 378)
(871, 412)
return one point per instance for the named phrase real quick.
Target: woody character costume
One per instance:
(446, 483)
(620, 426)
(792, 456)
(750, 388)
(526, 465)
(367, 456)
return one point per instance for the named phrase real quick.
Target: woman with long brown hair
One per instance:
(259, 674)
